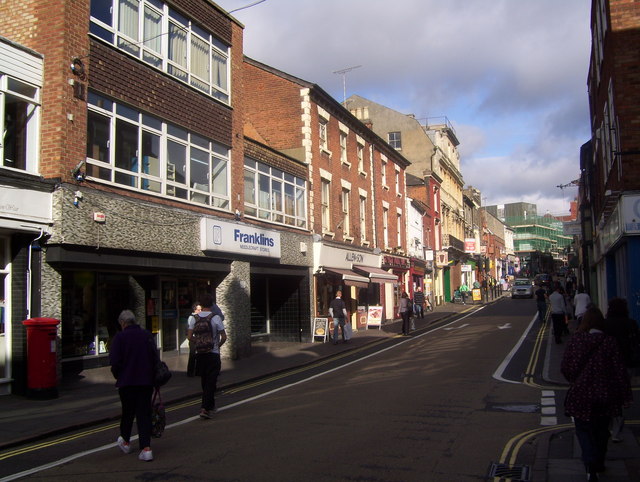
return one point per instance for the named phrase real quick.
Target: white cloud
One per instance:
(509, 74)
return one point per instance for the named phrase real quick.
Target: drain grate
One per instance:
(516, 473)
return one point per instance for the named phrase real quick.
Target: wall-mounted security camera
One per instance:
(77, 174)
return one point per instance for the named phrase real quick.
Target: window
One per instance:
(346, 207)
(385, 227)
(273, 195)
(399, 228)
(398, 189)
(324, 143)
(360, 153)
(325, 203)
(363, 218)
(343, 147)
(152, 32)
(395, 140)
(20, 109)
(133, 149)
(383, 175)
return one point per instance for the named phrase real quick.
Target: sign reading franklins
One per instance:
(238, 238)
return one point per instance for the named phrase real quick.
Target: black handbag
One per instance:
(162, 374)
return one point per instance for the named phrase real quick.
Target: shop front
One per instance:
(25, 222)
(399, 266)
(259, 277)
(356, 273)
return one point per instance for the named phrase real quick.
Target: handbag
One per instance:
(158, 415)
(162, 374)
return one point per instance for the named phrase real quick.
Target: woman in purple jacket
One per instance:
(133, 356)
(600, 387)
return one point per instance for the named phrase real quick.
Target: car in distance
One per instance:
(543, 279)
(522, 288)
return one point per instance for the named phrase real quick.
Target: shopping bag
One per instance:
(348, 331)
(158, 415)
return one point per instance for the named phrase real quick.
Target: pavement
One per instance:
(91, 398)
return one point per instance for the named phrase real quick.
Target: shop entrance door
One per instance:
(447, 285)
(169, 314)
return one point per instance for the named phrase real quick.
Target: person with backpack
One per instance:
(191, 364)
(207, 334)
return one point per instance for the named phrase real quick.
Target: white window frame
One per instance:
(346, 208)
(394, 139)
(130, 38)
(363, 215)
(18, 90)
(383, 174)
(325, 202)
(213, 193)
(275, 213)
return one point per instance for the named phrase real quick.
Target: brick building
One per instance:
(356, 189)
(129, 168)
(610, 162)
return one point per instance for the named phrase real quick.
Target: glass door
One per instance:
(5, 325)
(169, 314)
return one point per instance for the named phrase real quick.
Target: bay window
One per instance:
(141, 152)
(273, 195)
(161, 37)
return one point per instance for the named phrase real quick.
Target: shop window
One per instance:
(91, 303)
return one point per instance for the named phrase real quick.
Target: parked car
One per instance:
(543, 279)
(522, 288)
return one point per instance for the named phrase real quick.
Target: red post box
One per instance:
(42, 360)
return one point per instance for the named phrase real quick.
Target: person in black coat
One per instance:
(133, 356)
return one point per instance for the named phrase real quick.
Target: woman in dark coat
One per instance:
(600, 387)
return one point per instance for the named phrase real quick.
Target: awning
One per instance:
(377, 275)
(349, 277)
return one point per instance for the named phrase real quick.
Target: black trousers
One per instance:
(208, 366)
(559, 325)
(405, 322)
(593, 436)
(136, 403)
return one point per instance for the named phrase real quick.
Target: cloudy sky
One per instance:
(510, 75)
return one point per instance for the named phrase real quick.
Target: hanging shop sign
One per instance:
(470, 245)
(238, 238)
(442, 258)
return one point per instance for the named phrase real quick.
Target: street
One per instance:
(425, 407)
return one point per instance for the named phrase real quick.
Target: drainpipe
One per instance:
(29, 272)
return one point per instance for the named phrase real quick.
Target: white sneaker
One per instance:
(146, 455)
(124, 446)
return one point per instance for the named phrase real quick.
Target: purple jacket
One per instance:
(599, 380)
(133, 357)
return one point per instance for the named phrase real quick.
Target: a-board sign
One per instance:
(374, 316)
(477, 296)
(320, 328)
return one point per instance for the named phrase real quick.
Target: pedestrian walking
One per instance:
(580, 303)
(133, 356)
(599, 389)
(206, 331)
(418, 303)
(559, 314)
(464, 289)
(541, 302)
(405, 309)
(338, 311)
(625, 331)
(191, 362)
